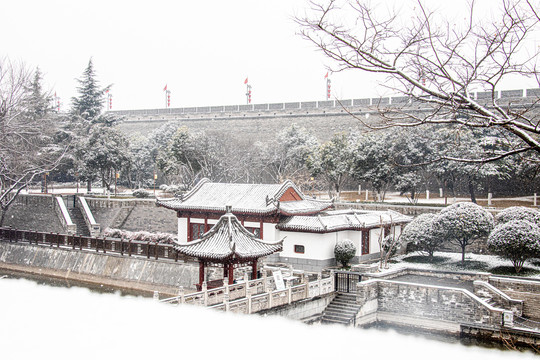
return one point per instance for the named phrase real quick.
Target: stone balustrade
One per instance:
(251, 296)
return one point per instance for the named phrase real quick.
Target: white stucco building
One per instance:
(310, 228)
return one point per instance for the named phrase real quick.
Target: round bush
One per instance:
(463, 223)
(516, 240)
(141, 193)
(344, 251)
(518, 213)
(420, 233)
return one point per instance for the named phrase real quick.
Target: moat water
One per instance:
(54, 318)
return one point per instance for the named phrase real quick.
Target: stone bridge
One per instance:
(324, 118)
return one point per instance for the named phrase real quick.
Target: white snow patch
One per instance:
(58, 323)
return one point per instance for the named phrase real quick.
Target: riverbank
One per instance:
(126, 272)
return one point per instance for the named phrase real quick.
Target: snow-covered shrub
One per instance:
(114, 233)
(141, 193)
(518, 213)
(172, 189)
(516, 240)
(159, 237)
(420, 233)
(463, 223)
(344, 251)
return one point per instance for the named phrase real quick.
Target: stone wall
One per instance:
(245, 123)
(133, 215)
(423, 306)
(305, 310)
(89, 266)
(34, 212)
(527, 290)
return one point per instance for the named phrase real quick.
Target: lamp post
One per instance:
(155, 178)
(116, 182)
(45, 182)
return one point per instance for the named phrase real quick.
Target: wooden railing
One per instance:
(145, 249)
(252, 296)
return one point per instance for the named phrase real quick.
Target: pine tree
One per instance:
(37, 102)
(87, 120)
(87, 107)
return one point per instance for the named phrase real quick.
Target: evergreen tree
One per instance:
(88, 106)
(87, 120)
(37, 102)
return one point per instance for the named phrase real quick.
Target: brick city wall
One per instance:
(324, 118)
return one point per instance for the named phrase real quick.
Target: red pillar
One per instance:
(201, 272)
(231, 273)
(188, 228)
(254, 270)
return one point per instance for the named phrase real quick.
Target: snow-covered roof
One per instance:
(261, 199)
(228, 240)
(339, 220)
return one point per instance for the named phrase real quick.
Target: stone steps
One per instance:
(341, 310)
(78, 219)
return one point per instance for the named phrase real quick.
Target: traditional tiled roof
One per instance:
(228, 240)
(339, 220)
(260, 199)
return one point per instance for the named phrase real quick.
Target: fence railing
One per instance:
(145, 249)
(250, 296)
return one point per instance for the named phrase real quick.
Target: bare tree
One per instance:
(26, 149)
(438, 64)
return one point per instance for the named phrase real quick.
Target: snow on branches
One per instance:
(515, 240)
(462, 223)
(344, 251)
(518, 213)
(158, 237)
(420, 232)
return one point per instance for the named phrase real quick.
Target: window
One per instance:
(299, 249)
(254, 231)
(365, 242)
(197, 230)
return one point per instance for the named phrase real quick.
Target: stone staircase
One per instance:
(341, 310)
(78, 219)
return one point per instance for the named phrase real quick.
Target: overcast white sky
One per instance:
(202, 50)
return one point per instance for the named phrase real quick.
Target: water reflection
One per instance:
(65, 283)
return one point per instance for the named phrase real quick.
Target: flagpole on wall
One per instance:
(328, 86)
(248, 91)
(167, 97)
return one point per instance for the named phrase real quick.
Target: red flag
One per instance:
(326, 76)
(165, 88)
(246, 81)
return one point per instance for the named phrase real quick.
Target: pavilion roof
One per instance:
(228, 240)
(339, 220)
(258, 199)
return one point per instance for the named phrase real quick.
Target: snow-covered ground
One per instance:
(43, 322)
(452, 262)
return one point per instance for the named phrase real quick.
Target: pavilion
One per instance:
(228, 244)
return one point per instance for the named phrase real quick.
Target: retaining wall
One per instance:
(429, 307)
(133, 215)
(527, 290)
(120, 271)
(34, 212)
